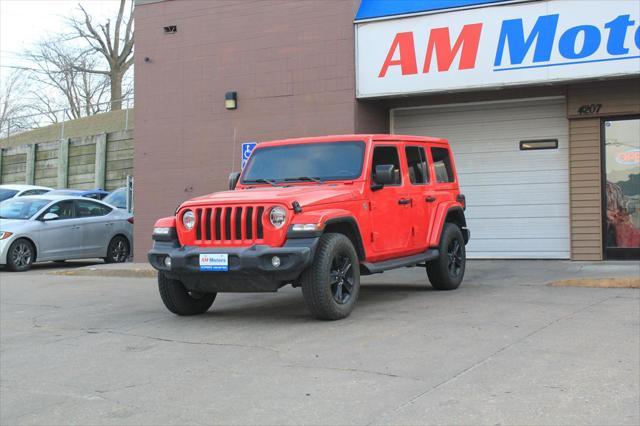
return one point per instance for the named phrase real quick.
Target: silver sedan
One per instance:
(57, 228)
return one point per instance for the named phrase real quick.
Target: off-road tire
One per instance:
(118, 250)
(442, 274)
(322, 282)
(179, 301)
(21, 255)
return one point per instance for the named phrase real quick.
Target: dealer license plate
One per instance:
(214, 262)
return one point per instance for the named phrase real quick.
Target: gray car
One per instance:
(57, 228)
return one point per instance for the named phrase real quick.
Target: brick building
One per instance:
(540, 100)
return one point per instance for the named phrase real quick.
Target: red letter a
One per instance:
(439, 40)
(407, 59)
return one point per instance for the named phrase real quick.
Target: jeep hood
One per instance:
(306, 195)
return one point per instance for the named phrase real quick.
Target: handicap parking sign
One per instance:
(247, 148)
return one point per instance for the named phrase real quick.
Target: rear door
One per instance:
(421, 192)
(61, 238)
(96, 225)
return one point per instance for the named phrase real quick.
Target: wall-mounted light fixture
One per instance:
(231, 100)
(538, 144)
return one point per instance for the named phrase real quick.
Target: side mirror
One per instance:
(383, 176)
(50, 216)
(233, 180)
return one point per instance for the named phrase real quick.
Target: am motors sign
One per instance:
(517, 44)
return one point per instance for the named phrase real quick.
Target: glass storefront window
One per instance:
(622, 191)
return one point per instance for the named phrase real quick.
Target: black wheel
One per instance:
(118, 250)
(179, 300)
(331, 284)
(20, 255)
(446, 272)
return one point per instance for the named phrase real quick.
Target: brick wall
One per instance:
(291, 62)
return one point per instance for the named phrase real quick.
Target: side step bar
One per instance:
(368, 268)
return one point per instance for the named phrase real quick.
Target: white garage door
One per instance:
(517, 201)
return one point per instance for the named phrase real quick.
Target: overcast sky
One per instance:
(24, 22)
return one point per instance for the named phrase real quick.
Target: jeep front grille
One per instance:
(239, 224)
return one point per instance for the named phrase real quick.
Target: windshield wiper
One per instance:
(270, 182)
(305, 178)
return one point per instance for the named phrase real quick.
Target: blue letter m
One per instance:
(512, 32)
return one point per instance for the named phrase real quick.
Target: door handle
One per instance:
(404, 201)
(75, 227)
(430, 199)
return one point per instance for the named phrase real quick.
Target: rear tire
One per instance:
(180, 301)
(446, 272)
(331, 284)
(118, 250)
(20, 255)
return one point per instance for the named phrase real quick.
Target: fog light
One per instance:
(167, 262)
(275, 261)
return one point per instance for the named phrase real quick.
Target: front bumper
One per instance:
(250, 268)
(4, 248)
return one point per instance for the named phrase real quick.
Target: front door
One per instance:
(390, 209)
(622, 188)
(60, 238)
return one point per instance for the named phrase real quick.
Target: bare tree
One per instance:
(14, 110)
(62, 82)
(114, 43)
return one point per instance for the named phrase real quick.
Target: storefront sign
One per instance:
(546, 41)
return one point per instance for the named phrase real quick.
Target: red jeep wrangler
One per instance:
(317, 213)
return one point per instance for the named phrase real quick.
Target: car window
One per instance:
(33, 192)
(118, 198)
(387, 155)
(86, 208)
(442, 165)
(5, 194)
(21, 208)
(64, 209)
(417, 165)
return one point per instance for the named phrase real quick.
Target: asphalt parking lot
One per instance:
(503, 349)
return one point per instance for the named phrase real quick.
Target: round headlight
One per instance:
(188, 220)
(277, 216)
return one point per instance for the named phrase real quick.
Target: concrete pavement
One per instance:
(506, 348)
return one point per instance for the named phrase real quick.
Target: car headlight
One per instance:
(4, 235)
(188, 220)
(277, 216)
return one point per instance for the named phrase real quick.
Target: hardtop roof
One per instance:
(367, 138)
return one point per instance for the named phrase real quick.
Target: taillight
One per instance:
(130, 220)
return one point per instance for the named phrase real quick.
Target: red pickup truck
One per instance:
(317, 213)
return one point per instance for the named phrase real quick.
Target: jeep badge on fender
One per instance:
(317, 213)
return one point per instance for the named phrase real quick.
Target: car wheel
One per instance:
(331, 284)
(20, 255)
(446, 272)
(179, 300)
(118, 250)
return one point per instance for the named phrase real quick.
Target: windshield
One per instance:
(324, 161)
(117, 198)
(5, 194)
(21, 208)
